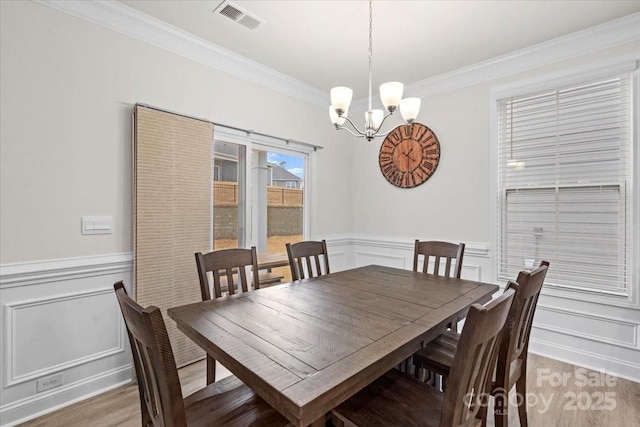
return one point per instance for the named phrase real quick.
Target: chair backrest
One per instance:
(475, 359)
(158, 382)
(439, 251)
(301, 254)
(515, 340)
(229, 262)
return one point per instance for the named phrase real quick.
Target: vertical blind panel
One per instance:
(565, 165)
(172, 211)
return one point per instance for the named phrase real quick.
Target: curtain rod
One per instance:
(247, 131)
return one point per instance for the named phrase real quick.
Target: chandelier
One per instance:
(390, 94)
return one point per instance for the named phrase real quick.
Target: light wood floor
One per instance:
(583, 398)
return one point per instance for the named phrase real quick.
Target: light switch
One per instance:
(96, 225)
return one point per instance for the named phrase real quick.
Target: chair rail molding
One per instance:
(37, 272)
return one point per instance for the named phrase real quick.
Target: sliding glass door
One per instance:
(229, 195)
(260, 195)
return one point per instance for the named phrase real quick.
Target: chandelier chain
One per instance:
(370, 49)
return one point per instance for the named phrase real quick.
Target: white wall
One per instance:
(67, 91)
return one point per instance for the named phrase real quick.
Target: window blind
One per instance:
(564, 158)
(173, 205)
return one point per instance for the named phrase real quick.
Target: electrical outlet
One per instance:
(44, 384)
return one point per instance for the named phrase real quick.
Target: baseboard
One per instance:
(35, 406)
(578, 357)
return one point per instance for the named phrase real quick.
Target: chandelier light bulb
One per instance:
(409, 109)
(391, 94)
(341, 97)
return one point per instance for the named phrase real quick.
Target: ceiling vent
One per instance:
(239, 15)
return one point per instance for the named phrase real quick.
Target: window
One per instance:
(252, 204)
(564, 193)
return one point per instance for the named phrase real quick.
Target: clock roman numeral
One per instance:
(427, 165)
(395, 178)
(385, 157)
(388, 168)
(409, 182)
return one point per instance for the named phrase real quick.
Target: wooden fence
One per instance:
(226, 194)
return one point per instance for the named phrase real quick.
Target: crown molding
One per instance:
(133, 23)
(140, 26)
(583, 42)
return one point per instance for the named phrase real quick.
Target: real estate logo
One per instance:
(596, 395)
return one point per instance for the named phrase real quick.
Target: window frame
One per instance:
(265, 143)
(569, 77)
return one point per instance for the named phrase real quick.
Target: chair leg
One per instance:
(211, 370)
(483, 412)
(501, 407)
(521, 389)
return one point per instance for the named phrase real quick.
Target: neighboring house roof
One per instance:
(281, 174)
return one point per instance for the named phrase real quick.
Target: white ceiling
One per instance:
(325, 43)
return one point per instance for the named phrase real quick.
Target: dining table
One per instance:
(307, 346)
(269, 260)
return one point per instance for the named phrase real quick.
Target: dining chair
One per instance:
(226, 402)
(225, 264)
(399, 399)
(511, 369)
(439, 251)
(302, 254)
(449, 253)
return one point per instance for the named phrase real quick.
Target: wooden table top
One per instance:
(272, 260)
(307, 346)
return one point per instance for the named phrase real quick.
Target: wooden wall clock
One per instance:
(409, 155)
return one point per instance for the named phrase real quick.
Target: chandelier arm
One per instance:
(382, 121)
(353, 125)
(339, 127)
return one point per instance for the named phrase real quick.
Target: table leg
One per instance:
(320, 422)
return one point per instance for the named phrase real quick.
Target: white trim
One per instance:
(36, 272)
(589, 40)
(140, 26)
(471, 248)
(23, 410)
(579, 357)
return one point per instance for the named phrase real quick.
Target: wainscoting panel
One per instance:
(60, 320)
(589, 326)
(34, 328)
